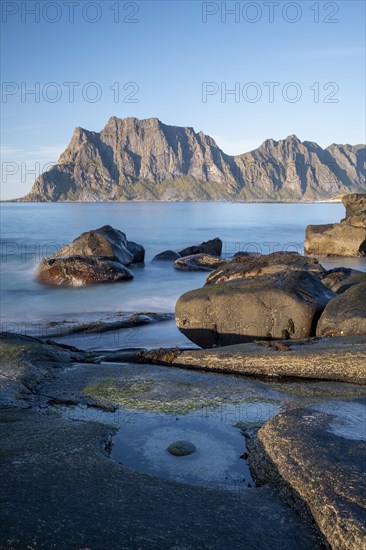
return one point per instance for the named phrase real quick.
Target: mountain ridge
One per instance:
(133, 159)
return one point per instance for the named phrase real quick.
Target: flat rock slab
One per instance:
(342, 359)
(61, 491)
(319, 462)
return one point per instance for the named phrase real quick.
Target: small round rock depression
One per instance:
(181, 448)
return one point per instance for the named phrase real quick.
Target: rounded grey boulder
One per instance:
(106, 242)
(345, 315)
(283, 305)
(181, 448)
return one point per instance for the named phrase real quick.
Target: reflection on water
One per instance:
(219, 462)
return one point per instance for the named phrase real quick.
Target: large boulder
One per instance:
(347, 238)
(97, 256)
(213, 247)
(198, 262)
(283, 305)
(79, 271)
(338, 239)
(105, 242)
(251, 265)
(345, 314)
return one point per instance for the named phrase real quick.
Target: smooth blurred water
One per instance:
(32, 231)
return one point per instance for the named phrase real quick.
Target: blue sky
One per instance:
(159, 57)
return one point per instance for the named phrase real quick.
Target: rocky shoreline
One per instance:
(282, 360)
(37, 378)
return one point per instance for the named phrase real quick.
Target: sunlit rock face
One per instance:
(132, 159)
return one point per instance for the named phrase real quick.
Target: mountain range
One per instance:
(143, 160)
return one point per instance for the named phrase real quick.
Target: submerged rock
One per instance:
(345, 315)
(198, 262)
(213, 247)
(79, 271)
(181, 448)
(283, 305)
(347, 238)
(167, 255)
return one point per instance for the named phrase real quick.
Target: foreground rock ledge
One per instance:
(320, 472)
(342, 359)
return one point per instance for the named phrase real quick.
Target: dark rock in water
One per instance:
(167, 255)
(347, 238)
(250, 265)
(198, 262)
(181, 448)
(105, 242)
(78, 271)
(97, 256)
(340, 279)
(213, 247)
(254, 307)
(137, 251)
(345, 315)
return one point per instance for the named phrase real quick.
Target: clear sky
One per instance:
(293, 67)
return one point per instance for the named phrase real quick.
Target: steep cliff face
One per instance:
(133, 159)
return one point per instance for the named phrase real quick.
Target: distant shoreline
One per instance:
(322, 201)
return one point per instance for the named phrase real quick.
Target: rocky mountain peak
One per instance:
(144, 159)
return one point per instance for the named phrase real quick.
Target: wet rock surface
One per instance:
(52, 465)
(301, 442)
(24, 363)
(347, 238)
(78, 271)
(52, 501)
